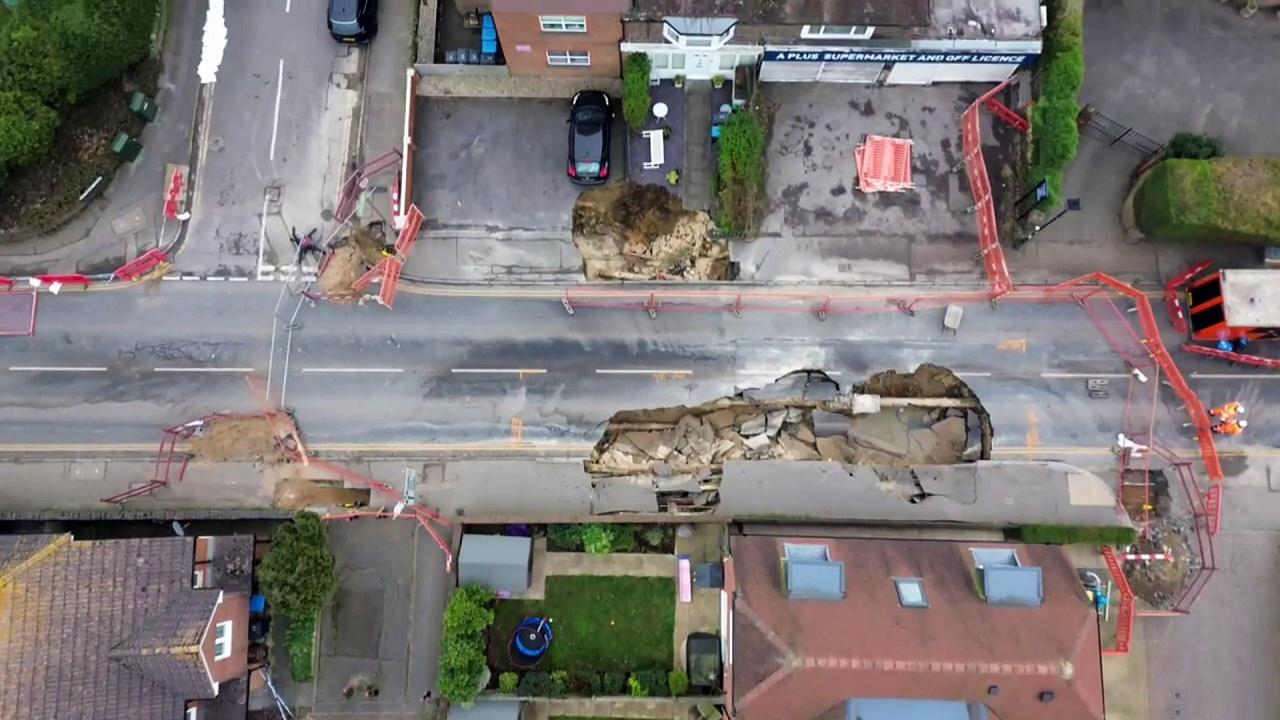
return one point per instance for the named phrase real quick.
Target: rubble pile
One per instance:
(348, 259)
(626, 231)
(248, 439)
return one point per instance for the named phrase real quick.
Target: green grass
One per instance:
(1227, 199)
(300, 636)
(601, 623)
(1072, 535)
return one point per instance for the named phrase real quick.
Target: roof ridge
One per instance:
(1057, 668)
(35, 558)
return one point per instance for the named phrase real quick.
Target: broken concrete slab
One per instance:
(720, 419)
(758, 442)
(657, 445)
(793, 449)
(829, 424)
(753, 425)
(804, 434)
(834, 448)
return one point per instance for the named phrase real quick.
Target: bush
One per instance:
(1072, 535)
(297, 574)
(559, 683)
(1063, 77)
(508, 682)
(635, 90)
(564, 538)
(655, 536)
(653, 682)
(26, 128)
(740, 172)
(594, 684)
(1192, 146)
(677, 682)
(1220, 200)
(1054, 131)
(613, 683)
(635, 688)
(300, 639)
(597, 540)
(622, 538)
(468, 613)
(535, 684)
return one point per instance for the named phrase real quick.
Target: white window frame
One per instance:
(193, 712)
(197, 578)
(563, 23)
(222, 639)
(819, 32)
(913, 582)
(713, 42)
(568, 58)
(997, 555)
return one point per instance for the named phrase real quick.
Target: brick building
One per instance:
(573, 38)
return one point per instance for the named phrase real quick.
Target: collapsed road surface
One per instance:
(110, 368)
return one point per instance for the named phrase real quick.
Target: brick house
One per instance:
(140, 629)
(824, 629)
(569, 38)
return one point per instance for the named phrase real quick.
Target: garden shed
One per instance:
(497, 562)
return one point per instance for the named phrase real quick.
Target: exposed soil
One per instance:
(929, 381)
(238, 440)
(291, 494)
(1158, 583)
(349, 258)
(641, 232)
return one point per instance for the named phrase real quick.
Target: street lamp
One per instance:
(1072, 205)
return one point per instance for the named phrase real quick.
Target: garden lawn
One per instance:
(600, 623)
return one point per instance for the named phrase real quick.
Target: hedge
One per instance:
(300, 638)
(740, 172)
(1077, 535)
(1054, 132)
(1234, 200)
(635, 90)
(462, 659)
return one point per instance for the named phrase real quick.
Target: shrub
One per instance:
(565, 538)
(462, 670)
(300, 639)
(559, 683)
(597, 540)
(622, 538)
(508, 682)
(535, 684)
(1072, 535)
(740, 172)
(613, 683)
(655, 536)
(1192, 146)
(677, 682)
(1063, 77)
(635, 89)
(468, 612)
(26, 128)
(297, 574)
(594, 683)
(1057, 137)
(635, 688)
(654, 682)
(1054, 131)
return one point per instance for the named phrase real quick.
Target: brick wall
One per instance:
(234, 607)
(525, 45)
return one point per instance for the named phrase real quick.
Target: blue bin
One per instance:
(257, 603)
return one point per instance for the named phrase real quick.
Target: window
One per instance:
(563, 23)
(193, 712)
(709, 33)
(222, 640)
(994, 557)
(911, 592)
(660, 60)
(847, 32)
(197, 579)
(564, 58)
(677, 63)
(727, 61)
(806, 552)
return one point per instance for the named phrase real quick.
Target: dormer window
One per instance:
(811, 574)
(837, 32)
(698, 33)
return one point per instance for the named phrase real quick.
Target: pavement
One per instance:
(383, 625)
(467, 368)
(127, 219)
(275, 139)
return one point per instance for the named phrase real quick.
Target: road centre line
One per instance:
(352, 370)
(498, 371)
(204, 369)
(653, 371)
(56, 368)
(1226, 376)
(275, 120)
(1066, 375)
(973, 374)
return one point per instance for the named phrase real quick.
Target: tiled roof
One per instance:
(792, 12)
(62, 615)
(798, 658)
(166, 647)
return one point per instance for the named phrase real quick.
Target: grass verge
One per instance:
(600, 623)
(301, 638)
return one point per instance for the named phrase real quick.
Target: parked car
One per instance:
(590, 126)
(353, 21)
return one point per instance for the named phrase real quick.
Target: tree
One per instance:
(26, 128)
(33, 61)
(297, 575)
(468, 612)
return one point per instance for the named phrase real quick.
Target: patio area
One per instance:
(669, 102)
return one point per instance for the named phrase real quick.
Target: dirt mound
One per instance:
(929, 381)
(640, 232)
(237, 439)
(349, 258)
(295, 494)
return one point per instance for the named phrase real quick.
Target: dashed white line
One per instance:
(649, 371)
(204, 369)
(781, 374)
(275, 121)
(352, 370)
(498, 371)
(1065, 375)
(1226, 376)
(56, 368)
(973, 374)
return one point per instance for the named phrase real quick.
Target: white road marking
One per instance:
(1225, 376)
(287, 5)
(779, 375)
(262, 234)
(498, 371)
(653, 371)
(55, 368)
(973, 374)
(352, 370)
(204, 369)
(275, 121)
(1058, 375)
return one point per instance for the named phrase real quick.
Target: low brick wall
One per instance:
(494, 81)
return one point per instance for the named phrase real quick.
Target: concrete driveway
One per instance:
(820, 226)
(279, 125)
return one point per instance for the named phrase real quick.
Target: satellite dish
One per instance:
(178, 529)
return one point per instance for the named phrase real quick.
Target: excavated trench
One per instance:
(893, 420)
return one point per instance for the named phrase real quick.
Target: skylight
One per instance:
(911, 592)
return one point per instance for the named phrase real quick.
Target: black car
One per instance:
(590, 125)
(353, 21)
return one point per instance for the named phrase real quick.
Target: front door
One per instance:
(702, 66)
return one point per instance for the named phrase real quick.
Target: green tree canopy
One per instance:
(26, 128)
(297, 574)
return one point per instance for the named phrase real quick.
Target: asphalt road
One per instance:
(276, 121)
(114, 367)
